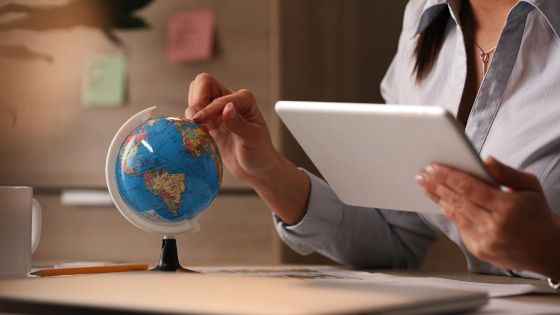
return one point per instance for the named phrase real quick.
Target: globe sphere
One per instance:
(168, 170)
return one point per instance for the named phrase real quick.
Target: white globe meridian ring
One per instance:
(130, 214)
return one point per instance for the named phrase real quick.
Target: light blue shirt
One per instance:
(515, 118)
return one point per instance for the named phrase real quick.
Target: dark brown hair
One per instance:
(429, 44)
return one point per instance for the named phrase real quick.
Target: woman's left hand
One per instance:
(512, 228)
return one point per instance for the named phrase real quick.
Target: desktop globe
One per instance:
(161, 173)
(168, 169)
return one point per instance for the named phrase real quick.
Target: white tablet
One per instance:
(370, 153)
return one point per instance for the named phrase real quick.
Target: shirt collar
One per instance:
(433, 7)
(549, 9)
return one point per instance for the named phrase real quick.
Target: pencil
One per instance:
(94, 269)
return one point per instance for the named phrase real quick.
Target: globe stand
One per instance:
(118, 173)
(169, 260)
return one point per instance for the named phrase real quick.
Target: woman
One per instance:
(494, 63)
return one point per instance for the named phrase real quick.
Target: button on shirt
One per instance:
(515, 118)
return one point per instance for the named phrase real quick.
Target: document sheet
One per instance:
(340, 274)
(495, 306)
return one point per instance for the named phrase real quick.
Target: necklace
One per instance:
(484, 55)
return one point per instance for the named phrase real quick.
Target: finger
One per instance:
(421, 180)
(205, 89)
(473, 234)
(191, 93)
(464, 224)
(460, 220)
(212, 111)
(458, 204)
(202, 91)
(472, 189)
(191, 111)
(237, 124)
(510, 177)
(243, 100)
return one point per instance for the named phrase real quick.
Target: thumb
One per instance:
(237, 124)
(510, 177)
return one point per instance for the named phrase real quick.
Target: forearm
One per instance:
(357, 236)
(285, 189)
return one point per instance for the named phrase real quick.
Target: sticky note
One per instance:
(190, 36)
(104, 82)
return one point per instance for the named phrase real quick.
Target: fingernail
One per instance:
(198, 115)
(420, 180)
(232, 112)
(430, 170)
(493, 161)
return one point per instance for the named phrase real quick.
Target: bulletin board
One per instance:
(49, 140)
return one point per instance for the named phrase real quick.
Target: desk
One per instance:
(552, 300)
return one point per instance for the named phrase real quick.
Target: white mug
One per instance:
(20, 230)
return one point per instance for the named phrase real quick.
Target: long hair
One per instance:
(429, 44)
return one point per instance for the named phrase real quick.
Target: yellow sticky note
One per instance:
(104, 82)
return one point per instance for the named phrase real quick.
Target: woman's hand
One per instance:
(235, 123)
(512, 228)
(243, 138)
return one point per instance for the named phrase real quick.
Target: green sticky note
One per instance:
(104, 83)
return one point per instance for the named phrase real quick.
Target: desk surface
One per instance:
(144, 292)
(533, 298)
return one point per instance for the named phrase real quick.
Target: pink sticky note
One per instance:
(190, 36)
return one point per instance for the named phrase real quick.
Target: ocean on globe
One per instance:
(168, 169)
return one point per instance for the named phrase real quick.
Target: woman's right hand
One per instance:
(243, 138)
(236, 124)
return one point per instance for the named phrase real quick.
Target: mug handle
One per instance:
(36, 219)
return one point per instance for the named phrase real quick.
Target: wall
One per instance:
(329, 50)
(56, 143)
(234, 230)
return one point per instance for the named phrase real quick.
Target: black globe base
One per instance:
(169, 260)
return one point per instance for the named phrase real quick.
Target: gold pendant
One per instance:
(484, 59)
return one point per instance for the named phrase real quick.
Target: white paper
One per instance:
(503, 307)
(493, 289)
(352, 276)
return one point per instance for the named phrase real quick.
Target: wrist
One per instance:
(284, 188)
(267, 177)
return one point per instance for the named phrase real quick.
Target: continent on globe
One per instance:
(129, 149)
(168, 186)
(198, 141)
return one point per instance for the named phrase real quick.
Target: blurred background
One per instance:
(73, 71)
